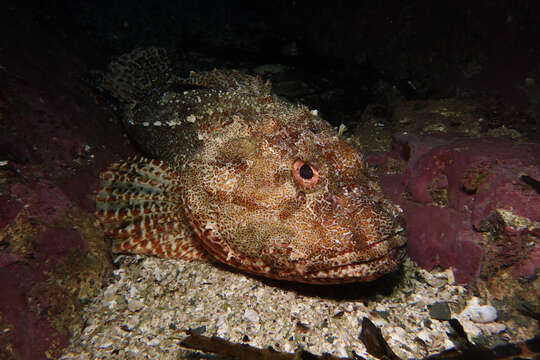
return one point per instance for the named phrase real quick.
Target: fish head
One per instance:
(287, 197)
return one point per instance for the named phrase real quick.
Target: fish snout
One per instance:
(378, 229)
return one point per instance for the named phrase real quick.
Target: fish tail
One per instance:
(140, 207)
(134, 75)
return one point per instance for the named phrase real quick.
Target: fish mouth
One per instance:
(361, 270)
(358, 272)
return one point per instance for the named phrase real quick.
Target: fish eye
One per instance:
(305, 174)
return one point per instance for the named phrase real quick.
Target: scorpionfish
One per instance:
(237, 174)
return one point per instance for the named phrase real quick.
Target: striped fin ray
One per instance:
(140, 207)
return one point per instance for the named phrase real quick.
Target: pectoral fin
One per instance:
(140, 207)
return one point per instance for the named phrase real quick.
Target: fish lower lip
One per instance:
(361, 271)
(395, 254)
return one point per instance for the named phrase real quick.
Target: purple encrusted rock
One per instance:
(56, 138)
(456, 191)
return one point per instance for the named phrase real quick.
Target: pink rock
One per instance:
(43, 202)
(454, 186)
(32, 333)
(54, 244)
(57, 135)
(8, 210)
(443, 237)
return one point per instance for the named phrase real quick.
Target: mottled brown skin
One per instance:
(265, 186)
